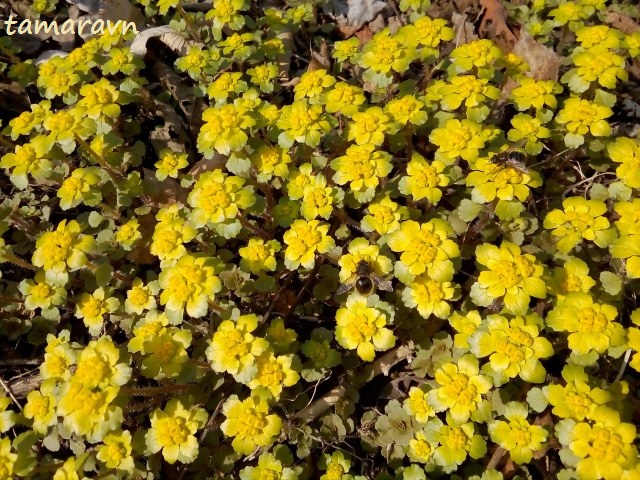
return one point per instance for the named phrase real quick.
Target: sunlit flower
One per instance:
(173, 431)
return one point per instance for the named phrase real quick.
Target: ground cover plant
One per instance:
(280, 240)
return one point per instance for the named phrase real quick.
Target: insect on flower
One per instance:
(512, 158)
(364, 279)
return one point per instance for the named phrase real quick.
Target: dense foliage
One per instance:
(176, 220)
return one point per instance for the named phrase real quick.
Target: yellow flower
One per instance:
(217, 197)
(535, 93)
(360, 250)
(224, 130)
(274, 373)
(299, 179)
(92, 307)
(336, 465)
(116, 451)
(591, 325)
(384, 216)
(596, 64)
(80, 187)
(346, 49)
(579, 219)
(362, 166)
(302, 123)
(509, 275)
(457, 440)
(573, 276)
(424, 248)
(369, 126)
(467, 89)
(233, 349)
(258, 256)
(32, 158)
(173, 431)
(457, 139)
(312, 84)
(626, 152)
(344, 98)
(88, 411)
(270, 161)
(570, 12)
(576, 399)
(478, 53)
(503, 182)
(605, 448)
(40, 293)
(128, 234)
(386, 52)
(460, 388)
(64, 248)
(249, 422)
(517, 436)
(100, 99)
(59, 356)
(466, 324)
(602, 35)
(406, 109)
(304, 240)
(152, 325)
(430, 33)
(64, 125)
(581, 117)
(169, 238)
(362, 327)
(190, 283)
(423, 179)
(8, 459)
(420, 449)
(417, 406)
(169, 164)
(41, 407)
(514, 347)
(429, 296)
(270, 468)
(318, 199)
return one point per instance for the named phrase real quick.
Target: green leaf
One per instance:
(238, 165)
(265, 283)
(573, 140)
(508, 210)
(478, 114)
(414, 472)
(103, 274)
(468, 210)
(620, 191)
(95, 219)
(604, 98)
(611, 283)
(537, 399)
(598, 192)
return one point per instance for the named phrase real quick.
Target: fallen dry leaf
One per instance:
(494, 25)
(543, 62)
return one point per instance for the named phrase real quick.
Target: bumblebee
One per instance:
(511, 158)
(364, 280)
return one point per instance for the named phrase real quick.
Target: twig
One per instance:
(382, 365)
(10, 393)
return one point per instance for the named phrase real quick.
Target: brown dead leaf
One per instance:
(621, 21)
(320, 60)
(543, 62)
(165, 192)
(207, 165)
(463, 28)
(347, 30)
(365, 34)
(494, 25)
